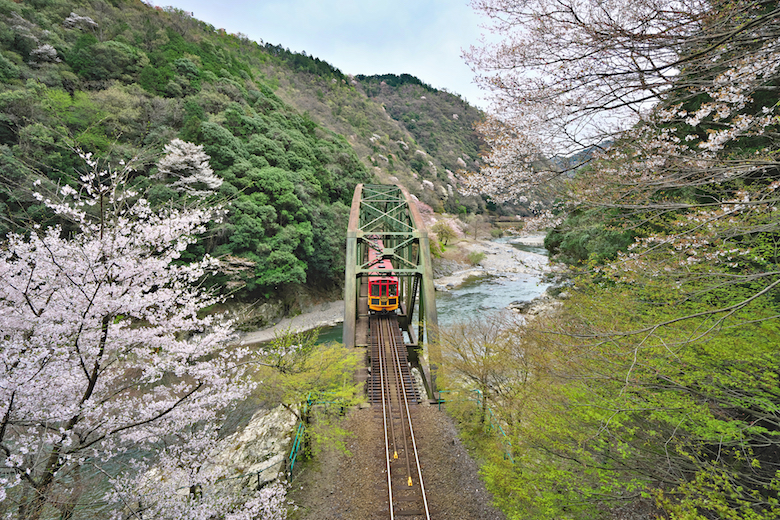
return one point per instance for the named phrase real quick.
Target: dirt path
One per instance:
(323, 315)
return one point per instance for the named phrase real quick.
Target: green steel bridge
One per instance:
(387, 211)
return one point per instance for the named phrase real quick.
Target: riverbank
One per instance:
(499, 259)
(323, 315)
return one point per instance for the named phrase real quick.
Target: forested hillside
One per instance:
(287, 134)
(442, 123)
(428, 156)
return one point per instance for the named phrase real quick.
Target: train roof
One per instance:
(383, 263)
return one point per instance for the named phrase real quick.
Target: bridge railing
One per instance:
(300, 430)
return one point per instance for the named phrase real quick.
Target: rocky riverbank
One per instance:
(256, 454)
(499, 259)
(322, 315)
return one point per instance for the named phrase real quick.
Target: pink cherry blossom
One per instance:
(106, 357)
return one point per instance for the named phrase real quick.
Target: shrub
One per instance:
(436, 248)
(186, 67)
(475, 257)
(589, 236)
(8, 70)
(444, 232)
(95, 60)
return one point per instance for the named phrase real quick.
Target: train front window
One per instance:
(375, 289)
(393, 290)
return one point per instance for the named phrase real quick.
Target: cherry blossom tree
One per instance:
(189, 164)
(677, 104)
(75, 21)
(569, 76)
(107, 361)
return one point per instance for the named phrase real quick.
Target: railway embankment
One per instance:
(352, 486)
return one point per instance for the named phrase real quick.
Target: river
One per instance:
(491, 293)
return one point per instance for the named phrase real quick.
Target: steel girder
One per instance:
(387, 211)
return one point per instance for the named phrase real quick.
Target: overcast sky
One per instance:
(423, 38)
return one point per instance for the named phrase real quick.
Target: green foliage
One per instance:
(18, 208)
(289, 352)
(155, 79)
(296, 366)
(95, 60)
(589, 236)
(301, 62)
(186, 67)
(442, 123)
(475, 257)
(326, 261)
(359, 108)
(315, 379)
(613, 404)
(8, 70)
(279, 171)
(435, 248)
(149, 76)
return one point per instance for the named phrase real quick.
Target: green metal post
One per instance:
(350, 276)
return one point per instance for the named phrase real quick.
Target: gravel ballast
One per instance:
(354, 487)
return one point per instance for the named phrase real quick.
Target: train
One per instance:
(382, 286)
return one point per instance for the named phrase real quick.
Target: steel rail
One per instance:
(392, 352)
(394, 382)
(382, 381)
(397, 356)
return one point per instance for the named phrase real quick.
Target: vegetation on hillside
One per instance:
(428, 158)
(655, 388)
(441, 122)
(122, 80)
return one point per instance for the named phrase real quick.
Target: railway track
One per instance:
(395, 393)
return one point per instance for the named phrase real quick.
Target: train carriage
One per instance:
(382, 286)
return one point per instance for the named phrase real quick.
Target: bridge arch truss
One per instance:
(387, 211)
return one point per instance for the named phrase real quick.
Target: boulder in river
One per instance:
(541, 305)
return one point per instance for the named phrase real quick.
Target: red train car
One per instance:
(382, 287)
